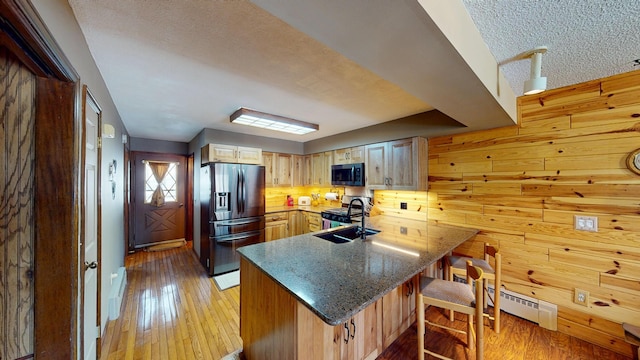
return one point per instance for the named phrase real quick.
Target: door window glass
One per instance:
(166, 179)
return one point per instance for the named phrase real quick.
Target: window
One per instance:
(167, 174)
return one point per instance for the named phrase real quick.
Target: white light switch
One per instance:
(586, 223)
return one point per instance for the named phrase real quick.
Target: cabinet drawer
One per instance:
(314, 219)
(278, 216)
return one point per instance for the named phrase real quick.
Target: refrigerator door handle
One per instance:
(236, 238)
(236, 223)
(238, 200)
(244, 192)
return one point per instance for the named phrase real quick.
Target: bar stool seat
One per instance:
(632, 336)
(456, 297)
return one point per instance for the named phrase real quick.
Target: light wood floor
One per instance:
(173, 310)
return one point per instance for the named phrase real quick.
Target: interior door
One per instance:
(158, 191)
(91, 245)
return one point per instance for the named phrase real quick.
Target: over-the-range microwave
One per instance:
(347, 174)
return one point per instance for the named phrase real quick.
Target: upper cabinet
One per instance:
(321, 168)
(277, 169)
(298, 170)
(397, 165)
(230, 153)
(392, 165)
(349, 155)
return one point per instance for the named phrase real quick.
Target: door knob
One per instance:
(90, 265)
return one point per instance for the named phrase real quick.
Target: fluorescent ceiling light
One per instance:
(271, 122)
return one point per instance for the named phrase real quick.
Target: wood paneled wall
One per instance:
(17, 97)
(522, 185)
(388, 202)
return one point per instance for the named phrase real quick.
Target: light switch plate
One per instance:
(586, 223)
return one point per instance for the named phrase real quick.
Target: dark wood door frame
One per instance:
(57, 182)
(189, 198)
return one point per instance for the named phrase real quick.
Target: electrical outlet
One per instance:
(403, 230)
(581, 297)
(403, 205)
(586, 223)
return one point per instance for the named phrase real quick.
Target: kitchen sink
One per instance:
(340, 236)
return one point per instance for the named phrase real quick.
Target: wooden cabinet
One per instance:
(307, 170)
(312, 222)
(398, 310)
(349, 155)
(295, 223)
(317, 168)
(277, 169)
(230, 153)
(397, 165)
(321, 168)
(298, 170)
(375, 166)
(357, 338)
(276, 226)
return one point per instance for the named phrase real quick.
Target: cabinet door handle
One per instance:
(346, 339)
(353, 334)
(409, 286)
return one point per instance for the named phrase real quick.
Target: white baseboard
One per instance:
(118, 288)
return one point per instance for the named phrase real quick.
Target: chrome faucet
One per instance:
(363, 235)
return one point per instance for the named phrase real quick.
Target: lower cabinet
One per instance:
(295, 223)
(276, 226)
(357, 338)
(398, 310)
(312, 222)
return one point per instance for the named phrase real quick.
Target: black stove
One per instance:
(340, 214)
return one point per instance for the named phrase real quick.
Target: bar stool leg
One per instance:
(421, 326)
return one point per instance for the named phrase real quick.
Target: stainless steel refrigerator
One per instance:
(232, 213)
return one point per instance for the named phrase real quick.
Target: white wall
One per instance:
(59, 18)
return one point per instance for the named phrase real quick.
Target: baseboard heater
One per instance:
(118, 286)
(540, 312)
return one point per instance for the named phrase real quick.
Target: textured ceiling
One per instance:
(586, 39)
(174, 67)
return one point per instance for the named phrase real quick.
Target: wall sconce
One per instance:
(271, 122)
(536, 83)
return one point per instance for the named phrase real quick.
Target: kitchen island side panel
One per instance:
(267, 316)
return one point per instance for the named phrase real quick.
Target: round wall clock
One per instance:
(633, 161)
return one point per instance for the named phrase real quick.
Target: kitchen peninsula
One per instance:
(307, 298)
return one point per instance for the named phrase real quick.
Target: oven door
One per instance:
(328, 224)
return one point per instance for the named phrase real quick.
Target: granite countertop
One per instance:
(336, 281)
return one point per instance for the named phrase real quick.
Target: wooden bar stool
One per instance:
(456, 297)
(632, 336)
(456, 265)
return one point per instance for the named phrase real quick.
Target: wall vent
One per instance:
(538, 311)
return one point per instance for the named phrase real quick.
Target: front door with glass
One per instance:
(158, 198)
